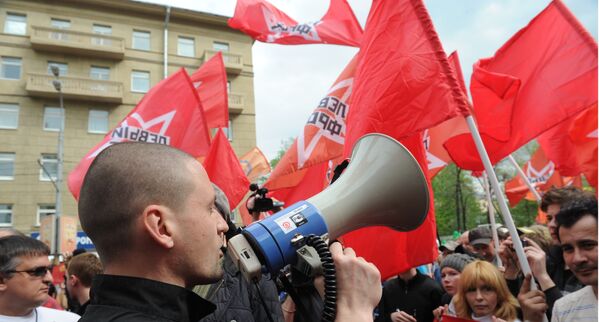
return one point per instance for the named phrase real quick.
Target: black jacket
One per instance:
(131, 299)
(418, 297)
(238, 300)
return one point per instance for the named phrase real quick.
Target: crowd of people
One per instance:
(159, 202)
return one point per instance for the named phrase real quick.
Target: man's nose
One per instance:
(48, 277)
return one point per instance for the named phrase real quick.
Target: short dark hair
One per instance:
(124, 179)
(12, 248)
(571, 212)
(560, 196)
(85, 267)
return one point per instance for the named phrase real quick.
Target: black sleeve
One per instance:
(551, 295)
(514, 285)
(383, 312)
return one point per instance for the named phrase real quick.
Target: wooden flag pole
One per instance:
(525, 178)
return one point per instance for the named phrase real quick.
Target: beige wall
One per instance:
(29, 140)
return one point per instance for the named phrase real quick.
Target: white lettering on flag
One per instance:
(280, 29)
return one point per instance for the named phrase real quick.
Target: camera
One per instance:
(261, 202)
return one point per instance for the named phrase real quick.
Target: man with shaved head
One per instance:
(150, 211)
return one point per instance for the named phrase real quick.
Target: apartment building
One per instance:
(109, 53)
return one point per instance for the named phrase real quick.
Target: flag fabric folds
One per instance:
(254, 164)
(210, 80)
(404, 83)
(164, 115)
(545, 74)
(264, 22)
(224, 170)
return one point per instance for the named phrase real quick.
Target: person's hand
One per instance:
(537, 260)
(401, 316)
(509, 259)
(358, 285)
(438, 312)
(532, 303)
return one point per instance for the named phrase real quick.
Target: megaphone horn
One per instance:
(382, 186)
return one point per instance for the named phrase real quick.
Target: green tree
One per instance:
(285, 144)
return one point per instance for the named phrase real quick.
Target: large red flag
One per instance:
(545, 74)
(583, 134)
(542, 174)
(394, 252)
(211, 82)
(164, 115)
(264, 22)
(224, 170)
(404, 83)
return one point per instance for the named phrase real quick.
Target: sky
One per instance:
(289, 81)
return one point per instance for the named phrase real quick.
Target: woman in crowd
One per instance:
(483, 295)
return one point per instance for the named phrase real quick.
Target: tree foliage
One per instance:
(285, 144)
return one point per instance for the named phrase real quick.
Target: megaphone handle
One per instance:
(330, 278)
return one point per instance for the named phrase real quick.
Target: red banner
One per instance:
(264, 22)
(210, 80)
(530, 86)
(254, 164)
(170, 113)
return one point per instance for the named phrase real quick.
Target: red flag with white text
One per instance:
(224, 170)
(164, 116)
(530, 86)
(210, 80)
(404, 83)
(264, 22)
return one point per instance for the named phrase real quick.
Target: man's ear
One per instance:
(73, 280)
(157, 221)
(3, 285)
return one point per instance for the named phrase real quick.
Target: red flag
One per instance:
(394, 252)
(211, 82)
(404, 83)
(254, 164)
(583, 134)
(264, 22)
(164, 115)
(545, 74)
(542, 174)
(224, 170)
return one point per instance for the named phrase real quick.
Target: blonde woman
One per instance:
(484, 296)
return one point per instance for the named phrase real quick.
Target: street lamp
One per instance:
(59, 157)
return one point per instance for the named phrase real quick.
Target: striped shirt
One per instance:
(577, 306)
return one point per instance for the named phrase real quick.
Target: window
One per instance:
(49, 167)
(44, 210)
(229, 131)
(141, 40)
(63, 68)
(9, 116)
(15, 24)
(5, 215)
(98, 121)
(100, 73)
(10, 68)
(140, 81)
(220, 46)
(52, 118)
(102, 30)
(186, 47)
(60, 23)
(228, 87)
(7, 166)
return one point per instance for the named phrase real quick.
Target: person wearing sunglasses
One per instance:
(24, 282)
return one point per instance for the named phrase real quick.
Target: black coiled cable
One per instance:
(330, 279)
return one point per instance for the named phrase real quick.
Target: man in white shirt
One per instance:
(577, 231)
(24, 282)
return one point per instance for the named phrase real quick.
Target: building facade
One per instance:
(109, 53)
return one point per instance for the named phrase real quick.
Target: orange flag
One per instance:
(224, 170)
(210, 80)
(254, 164)
(542, 174)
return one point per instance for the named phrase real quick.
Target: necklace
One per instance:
(36, 314)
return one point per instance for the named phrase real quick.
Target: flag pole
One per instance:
(492, 218)
(525, 178)
(505, 212)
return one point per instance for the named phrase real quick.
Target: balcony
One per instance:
(233, 62)
(77, 42)
(85, 89)
(235, 103)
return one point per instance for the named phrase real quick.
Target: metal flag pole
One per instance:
(492, 218)
(525, 178)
